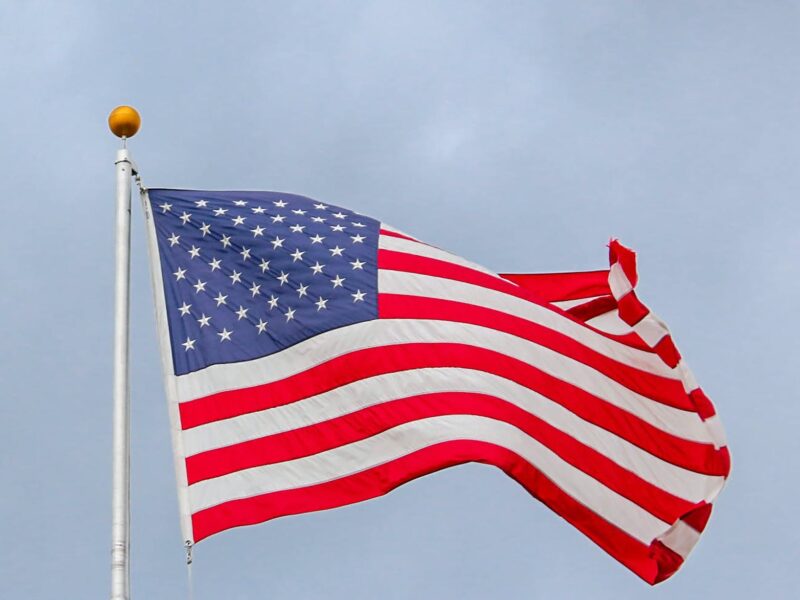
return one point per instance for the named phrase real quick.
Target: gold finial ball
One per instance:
(124, 121)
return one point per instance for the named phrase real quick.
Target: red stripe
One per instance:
(702, 404)
(557, 287)
(631, 309)
(661, 389)
(702, 458)
(668, 561)
(391, 260)
(411, 263)
(617, 253)
(649, 562)
(347, 429)
(398, 235)
(666, 349)
(593, 308)
(698, 518)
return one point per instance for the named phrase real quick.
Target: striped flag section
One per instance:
(566, 382)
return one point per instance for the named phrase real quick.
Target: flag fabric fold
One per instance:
(315, 357)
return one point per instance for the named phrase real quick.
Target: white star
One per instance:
(215, 264)
(180, 274)
(235, 277)
(337, 228)
(336, 251)
(184, 309)
(238, 220)
(221, 299)
(201, 203)
(240, 202)
(261, 326)
(283, 278)
(257, 231)
(279, 203)
(357, 239)
(301, 291)
(358, 265)
(299, 211)
(254, 289)
(357, 224)
(245, 253)
(205, 229)
(220, 211)
(200, 286)
(264, 265)
(358, 296)
(338, 281)
(321, 303)
(339, 215)
(242, 312)
(317, 268)
(174, 240)
(289, 314)
(224, 335)
(188, 344)
(195, 251)
(278, 219)
(278, 242)
(297, 255)
(166, 207)
(318, 219)
(259, 210)
(186, 217)
(203, 321)
(320, 206)
(317, 239)
(273, 302)
(297, 228)
(226, 241)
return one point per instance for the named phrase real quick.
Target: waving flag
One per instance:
(315, 357)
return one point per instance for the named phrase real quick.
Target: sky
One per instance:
(521, 135)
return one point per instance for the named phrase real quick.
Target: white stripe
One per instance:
(689, 382)
(387, 242)
(168, 373)
(383, 332)
(680, 538)
(714, 425)
(361, 394)
(611, 323)
(394, 230)
(567, 304)
(413, 284)
(410, 437)
(650, 329)
(618, 281)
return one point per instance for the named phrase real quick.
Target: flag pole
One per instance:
(124, 122)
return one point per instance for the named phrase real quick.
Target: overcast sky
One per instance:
(521, 135)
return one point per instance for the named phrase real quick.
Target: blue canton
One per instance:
(247, 274)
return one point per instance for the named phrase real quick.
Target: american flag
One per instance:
(315, 357)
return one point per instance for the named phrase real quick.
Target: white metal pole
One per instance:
(121, 481)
